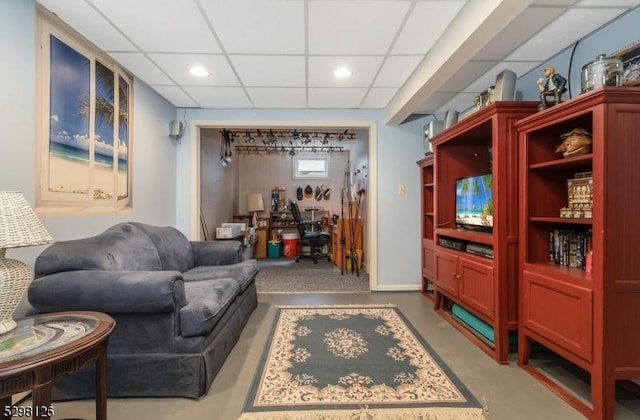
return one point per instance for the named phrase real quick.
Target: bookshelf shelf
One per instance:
(427, 229)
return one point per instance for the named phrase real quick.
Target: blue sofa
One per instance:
(179, 306)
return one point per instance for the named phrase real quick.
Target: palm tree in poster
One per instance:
(105, 113)
(487, 185)
(105, 89)
(464, 189)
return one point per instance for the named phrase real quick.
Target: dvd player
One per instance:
(481, 250)
(451, 243)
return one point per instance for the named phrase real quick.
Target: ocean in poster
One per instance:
(66, 151)
(470, 204)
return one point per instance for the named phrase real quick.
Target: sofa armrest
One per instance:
(216, 252)
(109, 291)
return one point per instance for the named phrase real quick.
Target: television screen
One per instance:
(474, 201)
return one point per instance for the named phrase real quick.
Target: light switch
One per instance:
(401, 189)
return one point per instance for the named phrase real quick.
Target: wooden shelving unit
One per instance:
(484, 142)
(281, 221)
(427, 216)
(588, 318)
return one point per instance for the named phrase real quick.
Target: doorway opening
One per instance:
(199, 160)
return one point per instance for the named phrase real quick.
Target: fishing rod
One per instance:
(353, 222)
(342, 244)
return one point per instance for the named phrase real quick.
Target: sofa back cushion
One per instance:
(121, 247)
(174, 249)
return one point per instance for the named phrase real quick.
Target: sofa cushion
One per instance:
(207, 301)
(122, 247)
(172, 246)
(243, 273)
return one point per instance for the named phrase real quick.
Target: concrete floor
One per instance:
(509, 392)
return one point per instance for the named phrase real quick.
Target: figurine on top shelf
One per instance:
(553, 85)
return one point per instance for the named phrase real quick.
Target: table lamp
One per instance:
(19, 227)
(255, 203)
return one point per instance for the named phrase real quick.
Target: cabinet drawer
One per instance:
(561, 312)
(476, 288)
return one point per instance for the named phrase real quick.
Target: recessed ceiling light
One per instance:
(342, 72)
(199, 71)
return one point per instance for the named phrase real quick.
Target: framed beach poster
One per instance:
(86, 155)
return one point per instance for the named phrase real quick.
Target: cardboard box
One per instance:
(243, 226)
(227, 232)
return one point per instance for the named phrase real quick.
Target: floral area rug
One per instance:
(353, 362)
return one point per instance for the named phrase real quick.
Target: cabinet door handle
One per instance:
(458, 276)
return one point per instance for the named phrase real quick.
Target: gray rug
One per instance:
(346, 362)
(279, 275)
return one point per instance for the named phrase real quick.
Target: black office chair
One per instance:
(311, 235)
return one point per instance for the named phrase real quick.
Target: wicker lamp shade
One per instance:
(19, 227)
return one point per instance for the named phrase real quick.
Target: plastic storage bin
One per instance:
(290, 245)
(274, 249)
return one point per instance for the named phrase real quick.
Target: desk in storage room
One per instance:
(262, 237)
(281, 222)
(260, 241)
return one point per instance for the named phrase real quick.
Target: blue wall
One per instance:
(616, 35)
(154, 154)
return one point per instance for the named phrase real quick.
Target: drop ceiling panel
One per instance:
(489, 77)
(143, 68)
(435, 101)
(267, 97)
(612, 3)
(569, 27)
(520, 68)
(177, 67)
(219, 97)
(176, 96)
(354, 27)
(466, 75)
(460, 103)
(528, 24)
(396, 70)
(258, 26)
(563, 3)
(270, 70)
(86, 21)
(336, 97)
(174, 26)
(378, 97)
(253, 47)
(427, 22)
(364, 70)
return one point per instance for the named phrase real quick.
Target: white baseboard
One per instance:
(398, 288)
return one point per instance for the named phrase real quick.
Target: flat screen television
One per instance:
(474, 202)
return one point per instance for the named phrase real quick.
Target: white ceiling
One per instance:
(407, 56)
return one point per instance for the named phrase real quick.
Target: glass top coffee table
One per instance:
(44, 347)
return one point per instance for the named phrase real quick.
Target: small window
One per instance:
(310, 167)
